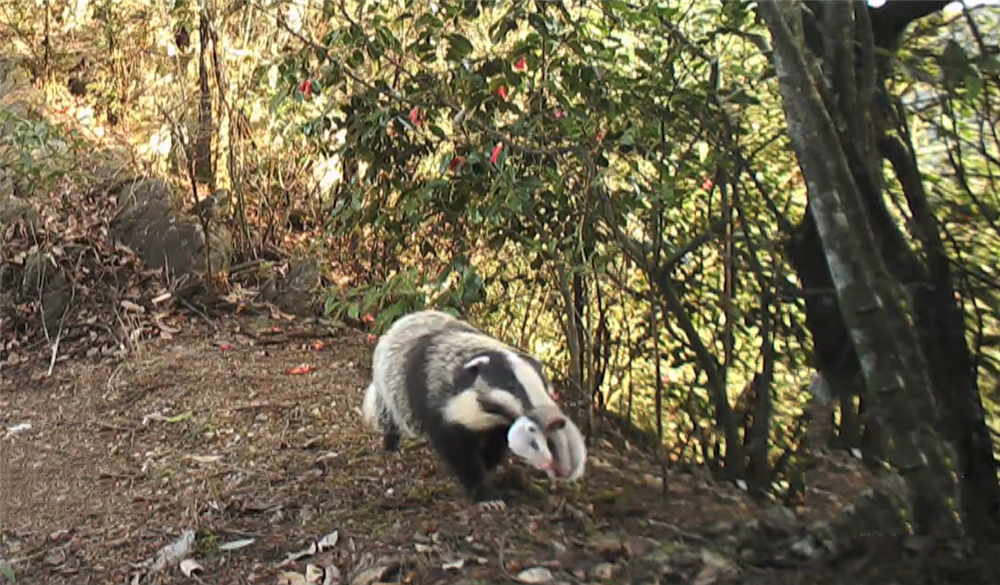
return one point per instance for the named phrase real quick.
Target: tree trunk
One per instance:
(203, 142)
(938, 321)
(867, 296)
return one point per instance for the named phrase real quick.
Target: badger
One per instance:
(473, 396)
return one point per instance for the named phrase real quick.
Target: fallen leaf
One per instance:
(189, 566)
(130, 306)
(237, 544)
(55, 557)
(301, 369)
(8, 572)
(225, 346)
(291, 578)
(368, 576)
(204, 458)
(318, 345)
(313, 573)
(332, 576)
(172, 552)
(179, 417)
(454, 563)
(329, 541)
(294, 556)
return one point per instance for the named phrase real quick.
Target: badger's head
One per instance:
(516, 375)
(495, 387)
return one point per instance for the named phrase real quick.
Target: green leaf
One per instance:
(180, 417)
(390, 314)
(991, 65)
(8, 572)
(459, 47)
(973, 86)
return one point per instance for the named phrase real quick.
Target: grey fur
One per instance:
(387, 401)
(445, 344)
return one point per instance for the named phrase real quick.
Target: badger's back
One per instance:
(397, 363)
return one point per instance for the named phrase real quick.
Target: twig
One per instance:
(55, 352)
(200, 313)
(62, 322)
(678, 531)
(503, 566)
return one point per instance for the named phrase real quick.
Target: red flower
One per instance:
(415, 118)
(456, 162)
(502, 91)
(707, 185)
(496, 153)
(521, 65)
(560, 114)
(306, 87)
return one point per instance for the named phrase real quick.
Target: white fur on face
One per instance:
(527, 440)
(533, 384)
(464, 409)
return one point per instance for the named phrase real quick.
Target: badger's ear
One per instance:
(470, 371)
(477, 362)
(555, 424)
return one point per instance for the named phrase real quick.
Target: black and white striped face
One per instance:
(497, 387)
(518, 374)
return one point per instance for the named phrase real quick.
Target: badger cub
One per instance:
(473, 397)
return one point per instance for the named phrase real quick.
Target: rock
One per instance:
(779, 521)
(805, 548)
(43, 279)
(147, 221)
(535, 575)
(721, 528)
(13, 209)
(296, 291)
(610, 548)
(604, 571)
(716, 569)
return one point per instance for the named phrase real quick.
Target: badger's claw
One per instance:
(491, 505)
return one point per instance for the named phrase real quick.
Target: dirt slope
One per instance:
(211, 431)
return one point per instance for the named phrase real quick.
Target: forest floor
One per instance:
(250, 436)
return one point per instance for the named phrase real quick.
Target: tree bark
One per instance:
(867, 297)
(938, 320)
(203, 143)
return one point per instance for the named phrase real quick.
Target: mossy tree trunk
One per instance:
(869, 299)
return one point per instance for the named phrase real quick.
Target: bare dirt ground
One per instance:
(227, 434)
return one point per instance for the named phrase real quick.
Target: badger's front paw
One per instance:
(488, 500)
(491, 505)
